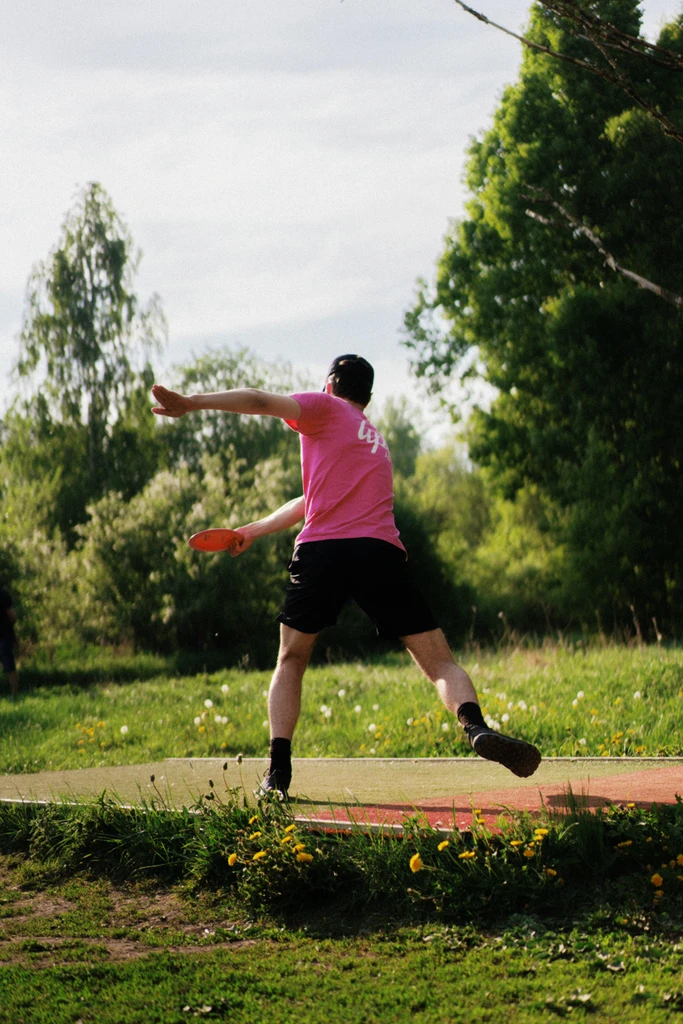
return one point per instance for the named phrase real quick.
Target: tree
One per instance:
(588, 370)
(85, 348)
(397, 425)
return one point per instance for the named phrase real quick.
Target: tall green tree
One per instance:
(85, 349)
(587, 368)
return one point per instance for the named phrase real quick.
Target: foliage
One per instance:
(141, 583)
(85, 346)
(399, 425)
(587, 368)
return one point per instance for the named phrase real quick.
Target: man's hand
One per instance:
(170, 402)
(246, 539)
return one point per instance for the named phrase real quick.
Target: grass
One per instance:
(91, 708)
(142, 916)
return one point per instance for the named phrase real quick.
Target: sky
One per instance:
(288, 169)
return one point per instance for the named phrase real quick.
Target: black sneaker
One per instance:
(517, 756)
(271, 786)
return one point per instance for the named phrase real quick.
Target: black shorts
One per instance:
(7, 654)
(325, 574)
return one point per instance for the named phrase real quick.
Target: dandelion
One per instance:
(208, 703)
(264, 693)
(477, 810)
(225, 688)
(232, 859)
(197, 720)
(265, 723)
(416, 863)
(550, 872)
(409, 721)
(290, 828)
(637, 695)
(253, 819)
(287, 839)
(255, 835)
(626, 842)
(529, 852)
(575, 703)
(580, 695)
(516, 842)
(304, 858)
(540, 831)
(679, 859)
(505, 717)
(582, 741)
(260, 855)
(299, 847)
(124, 730)
(372, 727)
(631, 805)
(375, 707)
(445, 726)
(443, 845)
(522, 704)
(467, 855)
(657, 880)
(341, 693)
(659, 893)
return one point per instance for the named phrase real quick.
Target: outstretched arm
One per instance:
(284, 517)
(247, 401)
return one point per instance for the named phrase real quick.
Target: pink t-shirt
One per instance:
(346, 470)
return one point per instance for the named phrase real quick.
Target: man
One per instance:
(7, 619)
(349, 548)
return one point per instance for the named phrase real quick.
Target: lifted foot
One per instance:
(519, 757)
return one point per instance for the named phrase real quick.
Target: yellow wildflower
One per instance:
(529, 852)
(551, 872)
(516, 842)
(287, 839)
(290, 828)
(443, 845)
(259, 855)
(540, 831)
(304, 858)
(657, 880)
(626, 842)
(254, 835)
(631, 805)
(467, 855)
(299, 847)
(232, 859)
(416, 863)
(476, 811)
(659, 893)
(253, 819)
(679, 859)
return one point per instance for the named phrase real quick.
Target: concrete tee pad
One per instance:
(376, 791)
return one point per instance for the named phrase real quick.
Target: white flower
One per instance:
(582, 741)
(522, 704)
(372, 750)
(501, 696)
(579, 695)
(575, 703)
(208, 703)
(265, 723)
(342, 693)
(491, 722)
(511, 705)
(225, 688)
(197, 720)
(505, 717)
(637, 695)
(445, 726)
(324, 709)
(409, 721)
(124, 730)
(264, 693)
(328, 713)
(218, 719)
(375, 707)
(372, 727)
(358, 709)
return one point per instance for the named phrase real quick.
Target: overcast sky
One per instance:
(288, 167)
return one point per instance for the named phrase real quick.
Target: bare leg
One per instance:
(284, 696)
(431, 653)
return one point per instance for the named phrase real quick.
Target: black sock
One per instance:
(281, 762)
(469, 713)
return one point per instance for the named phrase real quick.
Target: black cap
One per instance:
(353, 377)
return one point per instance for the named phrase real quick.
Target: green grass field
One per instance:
(109, 916)
(92, 709)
